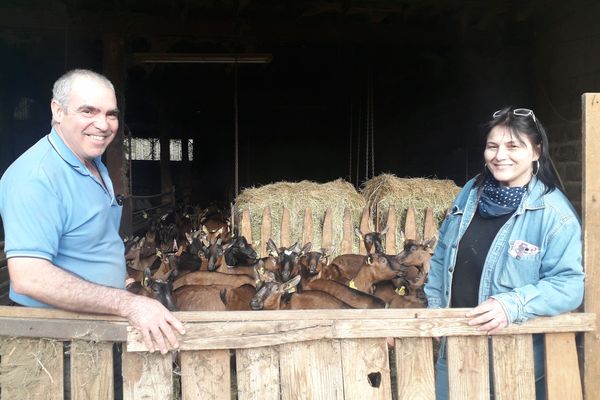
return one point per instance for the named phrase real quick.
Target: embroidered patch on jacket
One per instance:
(521, 248)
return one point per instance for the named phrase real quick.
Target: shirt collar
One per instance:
(65, 152)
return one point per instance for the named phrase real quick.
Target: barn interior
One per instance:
(251, 92)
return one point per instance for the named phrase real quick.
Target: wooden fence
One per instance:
(308, 354)
(348, 236)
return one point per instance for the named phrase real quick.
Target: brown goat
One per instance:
(354, 298)
(205, 278)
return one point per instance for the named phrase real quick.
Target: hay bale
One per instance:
(387, 190)
(297, 197)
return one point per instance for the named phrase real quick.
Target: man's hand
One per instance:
(154, 322)
(489, 315)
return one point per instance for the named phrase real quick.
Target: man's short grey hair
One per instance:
(63, 85)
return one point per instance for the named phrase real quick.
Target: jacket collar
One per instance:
(534, 197)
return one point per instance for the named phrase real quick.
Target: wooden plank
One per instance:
(265, 232)
(63, 329)
(258, 373)
(51, 313)
(429, 227)
(468, 368)
(284, 234)
(390, 236)
(31, 368)
(307, 227)
(410, 225)
(414, 368)
(366, 369)
(591, 235)
(205, 375)
(246, 226)
(327, 229)
(268, 328)
(364, 228)
(91, 370)
(147, 376)
(562, 368)
(311, 370)
(347, 233)
(514, 376)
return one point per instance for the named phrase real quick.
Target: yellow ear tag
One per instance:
(257, 282)
(401, 291)
(261, 270)
(158, 253)
(145, 282)
(292, 289)
(352, 284)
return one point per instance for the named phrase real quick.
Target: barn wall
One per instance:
(566, 64)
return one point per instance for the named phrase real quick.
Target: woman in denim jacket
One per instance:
(510, 246)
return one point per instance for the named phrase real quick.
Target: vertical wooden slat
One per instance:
(327, 229)
(514, 376)
(414, 368)
(562, 368)
(91, 370)
(205, 375)
(591, 236)
(311, 370)
(31, 369)
(284, 237)
(147, 376)
(246, 226)
(366, 369)
(347, 233)
(468, 367)
(307, 227)
(258, 373)
(410, 225)
(390, 236)
(265, 232)
(364, 228)
(429, 228)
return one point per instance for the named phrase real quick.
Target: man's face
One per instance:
(90, 121)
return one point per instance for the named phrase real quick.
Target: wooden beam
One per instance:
(327, 229)
(307, 227)
(562, 368)
(246, 226)
(275, 329)
(347, 233)
(591, 236)
(410, 225)
(284, 233)
(390, 236)
(265, 232)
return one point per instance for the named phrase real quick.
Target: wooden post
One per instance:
(284, 234)
(390, 236)
(246, 226)
(364, 228)
(307, 227)
(410, 225)
(591, 236)
(347, 234)
(265, 232)
(327, 229)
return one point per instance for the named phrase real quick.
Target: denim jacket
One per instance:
(534, 264)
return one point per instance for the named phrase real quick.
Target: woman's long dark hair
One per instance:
(530, 126)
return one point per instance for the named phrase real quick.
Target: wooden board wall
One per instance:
(591, 235)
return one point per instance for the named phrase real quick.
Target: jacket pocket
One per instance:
(518, 272)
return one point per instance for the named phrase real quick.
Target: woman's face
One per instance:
(510, 158)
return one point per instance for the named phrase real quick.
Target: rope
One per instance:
(235, 111)
(358, 141)
(350, 146)
(367, 130)
(372, 126)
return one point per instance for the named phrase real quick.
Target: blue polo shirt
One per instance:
(54, 208)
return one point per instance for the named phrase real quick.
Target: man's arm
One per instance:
(40, 279)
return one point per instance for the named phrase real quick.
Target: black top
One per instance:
(472, 252)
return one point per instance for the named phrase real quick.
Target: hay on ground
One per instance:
(387, 190)
(297, 197)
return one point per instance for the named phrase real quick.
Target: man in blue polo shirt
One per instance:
(61, 218)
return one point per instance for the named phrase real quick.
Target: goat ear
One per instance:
(189, 237)
(430, 243)
(358, 233)
(384, 231)
(147, 277)
(306, 248)
(328, 252)
(272, 247)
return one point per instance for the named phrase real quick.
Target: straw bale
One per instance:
(387, 190)
(297, 197)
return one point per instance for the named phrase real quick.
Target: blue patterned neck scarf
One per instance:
(496, 200)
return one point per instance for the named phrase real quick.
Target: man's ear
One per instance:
(58, 111)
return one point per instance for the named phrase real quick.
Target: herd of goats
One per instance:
(204, 266)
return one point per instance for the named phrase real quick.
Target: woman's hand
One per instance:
(488, 316)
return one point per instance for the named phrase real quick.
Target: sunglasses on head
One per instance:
(521, 112)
